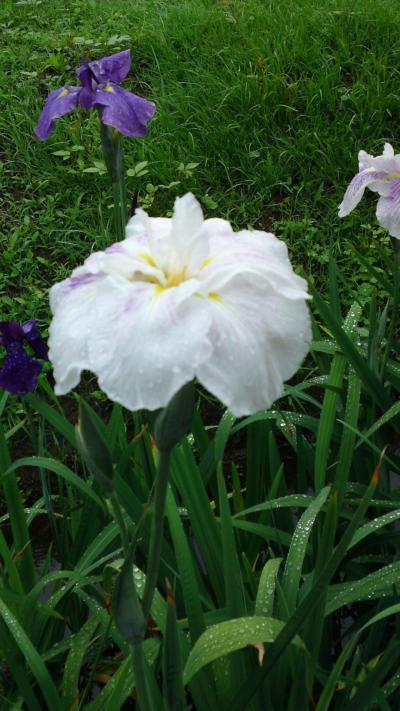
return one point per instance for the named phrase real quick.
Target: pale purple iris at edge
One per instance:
(20, 371)
(381, 174)
(100, 89)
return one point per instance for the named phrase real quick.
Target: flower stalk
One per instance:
(171, 425)
(141, 683)
(112, 152)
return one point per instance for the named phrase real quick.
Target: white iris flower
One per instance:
(381, 174)
(178, 299)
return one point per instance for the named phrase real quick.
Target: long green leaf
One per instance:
(186, 570)
(331, 397)
(206, 699)
(306, 606)
(393, 411)
(59, 422)
(294, 500)
(345, 456)
(230, 636)
(368, 377)
(73, 665)
(60, 469)
(122, 683)
(374, 525)
(269, 533)
(15, 661)
(378, 584)
(234, 592)
(222, 435)
(327, 421)
(298, 548)
(370, 689)
(266, 588)
(32, 657)
(186, 476)
(173, 691)
(324, 701)
(14, 504)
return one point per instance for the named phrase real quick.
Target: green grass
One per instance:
(272, 100)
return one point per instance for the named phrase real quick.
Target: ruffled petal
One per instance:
(374, 179)
(148, 344)
(388, 209)
(178, 245)
(216, 225)
(73, 304)
(258, 255)
(188, 235)
(126, 112)
(130, 259)
(260, 322)
(388, 161)
(76, 301)
(142, 341)
(19, 374)
(157, 233)
(113, 68)
(59, 102)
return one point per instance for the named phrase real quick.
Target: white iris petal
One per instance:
(182, 298)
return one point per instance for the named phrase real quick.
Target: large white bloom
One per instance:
(381, 174)
(181, 298)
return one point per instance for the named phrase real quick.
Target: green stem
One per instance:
(395, 304)
(156, 533)
(112, 152)
(119, 209)
(119, 517)
(142, 689)
(16, 512)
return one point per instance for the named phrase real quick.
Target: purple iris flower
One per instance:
(20, 371)
(100, 89)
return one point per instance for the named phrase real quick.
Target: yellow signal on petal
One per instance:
(213, 296)
(176, 278)
(64, 92)
(109, 88)
(207, 262)
(158, 290)
(148, 258)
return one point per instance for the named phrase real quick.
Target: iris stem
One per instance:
(141, 684)
(112, 152)
(119, 209)
(395, 304)
(156, 532)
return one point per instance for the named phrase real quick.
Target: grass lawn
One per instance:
(271, 101)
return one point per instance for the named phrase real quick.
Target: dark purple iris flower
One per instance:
(20, 371)
(124, 111)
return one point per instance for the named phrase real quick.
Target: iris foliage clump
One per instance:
(222, 532)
